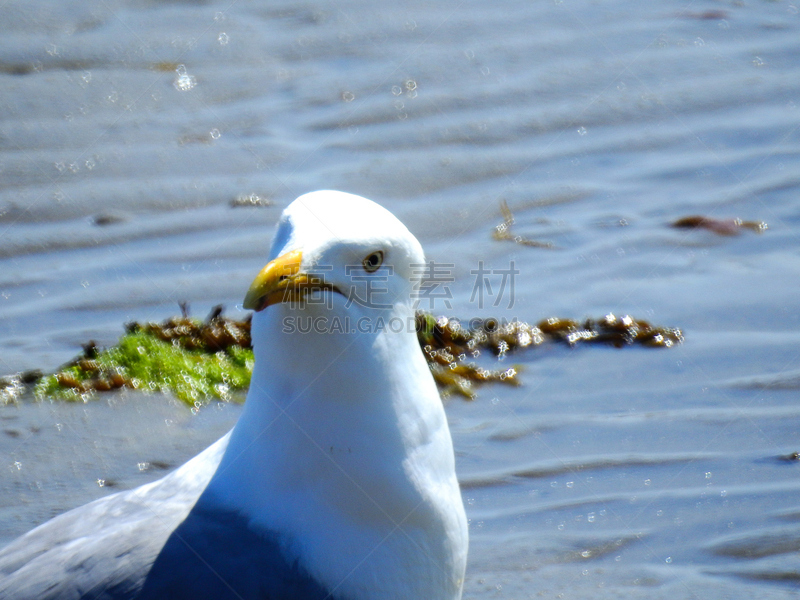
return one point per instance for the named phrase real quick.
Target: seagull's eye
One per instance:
(373, 261)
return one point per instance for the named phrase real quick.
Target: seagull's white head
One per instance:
(334, 247)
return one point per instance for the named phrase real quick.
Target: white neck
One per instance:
(348, 461)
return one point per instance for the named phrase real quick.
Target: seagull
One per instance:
(338, 480)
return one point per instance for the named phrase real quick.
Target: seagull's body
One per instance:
(338, 480)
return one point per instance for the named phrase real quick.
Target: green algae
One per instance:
(142, 361)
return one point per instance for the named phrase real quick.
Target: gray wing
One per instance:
(105, 549)
(218, 554)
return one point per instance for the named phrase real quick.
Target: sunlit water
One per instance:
(126, 129)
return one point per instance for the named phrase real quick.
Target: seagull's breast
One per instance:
(355, 465)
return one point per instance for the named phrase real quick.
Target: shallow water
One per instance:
(632, 472)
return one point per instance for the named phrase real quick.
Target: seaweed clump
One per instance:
(611, 330)
(197, 360)
(193, 359)
(251, 200)
(719, 226)
(216, 333)
(503, 231)
(448, 345)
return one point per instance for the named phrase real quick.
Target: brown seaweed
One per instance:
(251, 200)
(791, 457)
(448, 345)
(503, 231)
(719, 226)
(212, 335)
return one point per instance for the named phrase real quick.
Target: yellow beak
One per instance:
(281, 281)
